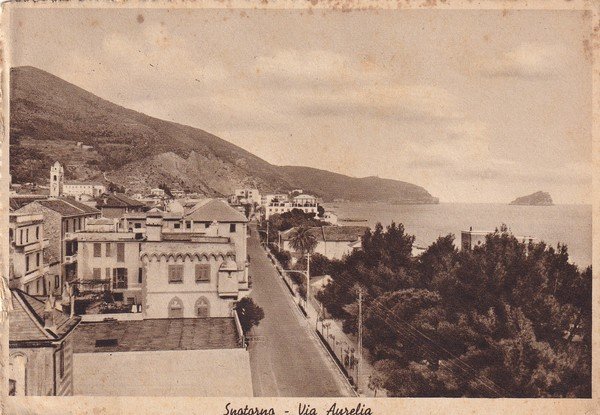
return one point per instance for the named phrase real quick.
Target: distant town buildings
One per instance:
(471, 239)
(248, 195)
(278, 204)
(117, 204)
(77, 189)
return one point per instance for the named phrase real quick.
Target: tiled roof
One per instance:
(26, 321)
(118, 200)
(157, 334)
(214, 210)
(17, 202)
(68, 207)
(331, 233)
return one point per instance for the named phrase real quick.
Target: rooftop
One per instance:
(68, 207)
(214, 210)
(118, 200)
(26, 319)
(156, 334)
(331, 233)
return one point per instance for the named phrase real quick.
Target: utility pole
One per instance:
(267, 233)
(360, 335)
(307, 278)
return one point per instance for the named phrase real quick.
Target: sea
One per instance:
(567, 224)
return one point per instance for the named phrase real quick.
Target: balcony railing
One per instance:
(71, 259)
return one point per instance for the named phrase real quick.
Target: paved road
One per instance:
(286, 360)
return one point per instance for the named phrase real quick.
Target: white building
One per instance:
(305, 203)
(277, 197)
(332, 241)
(248, 196)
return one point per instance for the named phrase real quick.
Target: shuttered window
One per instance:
(97, 250)
(202, 272)
(108, 252)
(175, 274)
(97, 273)
(120, 252)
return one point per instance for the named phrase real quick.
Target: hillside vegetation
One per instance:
(49, 116)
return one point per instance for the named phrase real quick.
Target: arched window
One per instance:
(202, 307)
(176, 308)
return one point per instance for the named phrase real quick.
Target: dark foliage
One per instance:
(506, 319)
(249, 313)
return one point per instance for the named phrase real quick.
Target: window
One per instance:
(12, 387)
(37, 260)
(140, 275)
(120, 252)
(202, 308)
(202, 272)
(27, 235)
(175, 308)
(37, 232)
(108, 253)
(27, 263)
(177, 225)
(107, 343)
(137, 225)
(56, 281)
(97, 274)
(206, 225)
(175, 274)
(120, 278)
(188, 224)
(37, 287)
(107, 273)
(67, 225)
(232, 227)
(97, 250)
(21, 236)
(10, 235)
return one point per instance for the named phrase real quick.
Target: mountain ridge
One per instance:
(50, 115)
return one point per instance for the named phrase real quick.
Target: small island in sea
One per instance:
(535, 199)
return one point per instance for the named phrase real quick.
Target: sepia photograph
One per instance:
(298, 202)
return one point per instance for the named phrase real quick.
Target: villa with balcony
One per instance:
(196, 269)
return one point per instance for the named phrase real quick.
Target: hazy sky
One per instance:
(475, 106)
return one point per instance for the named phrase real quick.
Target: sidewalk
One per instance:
(343, 346)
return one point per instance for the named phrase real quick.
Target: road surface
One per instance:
(285, 358)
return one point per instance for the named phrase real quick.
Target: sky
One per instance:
(475, 106)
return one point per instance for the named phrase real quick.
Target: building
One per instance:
(162, 357)
(28, 269)
(77, 189)
(332, 241)
(177, 265)
(275, 197)
(83, 190)
(248, 196)
(305, 203)
(40, 347)
(57, 178)
(117, 204)
(330, 217)
(471, 239)
(62, 218)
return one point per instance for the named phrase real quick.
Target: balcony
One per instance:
(71, 259)
(36, 246)
(69, 236)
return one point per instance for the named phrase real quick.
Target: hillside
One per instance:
(535, 199)
(49, 116)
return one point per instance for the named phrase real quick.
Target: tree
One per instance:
(249, 313)
(504, 319)
(303, 240)
(320, 211)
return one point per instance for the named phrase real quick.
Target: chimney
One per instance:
(154, 228)
(49, 312)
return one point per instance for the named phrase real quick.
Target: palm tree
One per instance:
(303, 240)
